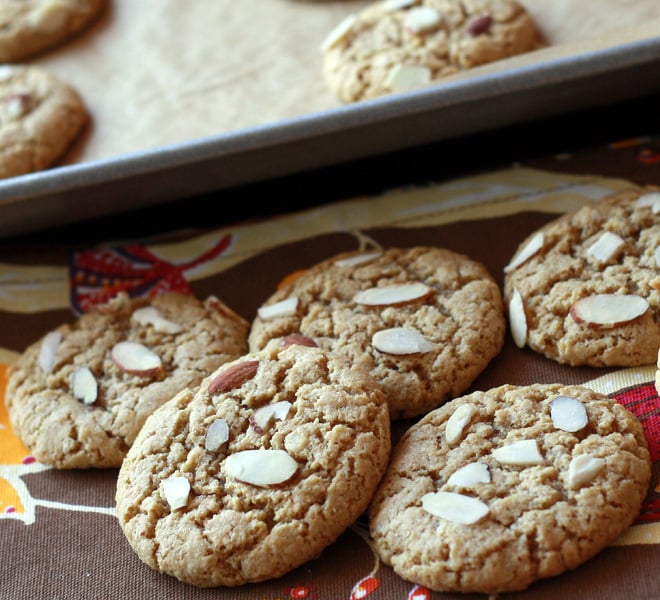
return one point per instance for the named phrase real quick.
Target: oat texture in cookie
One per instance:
(30, 27)
(78, 396)
(424, 321)
(398, 45)
(40, 117)
(257, 470)
(585, 288)
(500, 488)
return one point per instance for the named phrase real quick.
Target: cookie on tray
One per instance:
(498, 489)
(397, 45)
(40, 117)
(78, 396)
(30, 27)
(257, 470)
(584, 289)
(424, 321)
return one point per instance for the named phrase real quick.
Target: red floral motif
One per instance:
(98, 275)
(364, 588)
(419, 593)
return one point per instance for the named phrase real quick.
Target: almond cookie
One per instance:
(424, 321)
(40, 117)
(78, 396)
(585, 288)
(29, 27)
(397, 45)
(257, 470)
(498, 489)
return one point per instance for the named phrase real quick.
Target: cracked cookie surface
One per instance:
(564, 488)
(78, 403)
(437, 326)
(396, 45)
(585, 288)
(40, 117)
(318, 457)
(29, 27)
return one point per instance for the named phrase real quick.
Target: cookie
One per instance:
(424, 321)
(397, 45)
(498, 489)
(78, 396)
(585, 288)
(40, 117)
(30, 27)
(257, 470)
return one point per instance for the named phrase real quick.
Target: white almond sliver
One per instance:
(358, 259)
(518, 319)
(338, 33)
(176, 490)
(651, 199)
(533, 245)
(401, 340)
(457, 422)
(48, 349)
(283, 308)
(605, 247)
(261, 467)
(392, 294)
(216, 435)
(457, 508)
(136, 359)
(148, 315)
(568, 414)
(392, 5)
(469, 475)
(403, 78)
(608, 310)
(84, 385)
(656, 257)
(262, 417)
(584, 468)
(521, 453)
(421, 18)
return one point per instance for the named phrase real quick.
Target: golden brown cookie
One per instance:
(497, 489)
(30, 27)
(398, 45)
(585, 288)
(424, 321)
(78, 397)
(257, 470)
(40, 117)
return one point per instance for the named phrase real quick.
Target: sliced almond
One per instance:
(457, 508)
(421, 18)
(457, 422)
(136, 359)
(48, 350)
(469, 475)
(392, 5)
(265, 415)
(392, 294)
(520, 453)
(233, 376)
(298, 339)
(656, 257)
(584, 468)
(568, 414)
(339, 32)
(283, 308)
(608, 310)
(401, 340)
(606, 247)
(148, 315)
(217, 434)
(84, 385)
(261, 467)
(518, 319)
(176, 490)
(357, 259)
(403, 77)
(533, 245)
(651, 199)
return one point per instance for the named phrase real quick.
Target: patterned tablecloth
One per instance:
(58, 534)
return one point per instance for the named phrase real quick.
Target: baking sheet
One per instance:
(195, 97)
